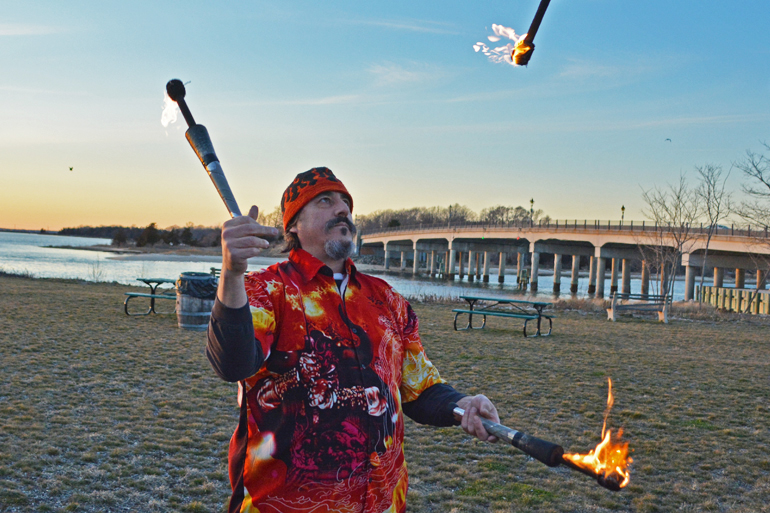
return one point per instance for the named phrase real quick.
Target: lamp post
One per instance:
(622, 214)
(531, 212)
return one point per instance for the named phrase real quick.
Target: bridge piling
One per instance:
(625, 279)
(740, 279)
(535, 269)
(501, 268)
(601, 267)
(689, 283)
(485, 277)
(451, 264)
(614, 276)
(645, 279)
(556, 273)
(592, 275)
(719, 277)
(573, 285)
(471, 266)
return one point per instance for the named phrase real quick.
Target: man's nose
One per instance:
(341, 208)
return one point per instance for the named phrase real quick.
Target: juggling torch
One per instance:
(199, 139)
(524, 48)
(543, 451)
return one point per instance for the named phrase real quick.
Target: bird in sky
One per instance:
(70, 168)
(669, 140)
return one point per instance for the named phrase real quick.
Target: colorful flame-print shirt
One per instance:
(321, 426)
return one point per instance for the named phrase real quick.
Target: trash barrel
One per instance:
(195, 294)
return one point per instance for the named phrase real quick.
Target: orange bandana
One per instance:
(307, 186)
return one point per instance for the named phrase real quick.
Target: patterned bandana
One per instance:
(307, 186)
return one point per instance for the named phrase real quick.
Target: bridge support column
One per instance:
(416, 263)
(601, 267)
(645, 279)
(432, 263)
(614, 276)
(573, 283)
(403, 260)
(740, 278)
(760, 279)
(450, 263)
(519, 257)
(478, 265)
(625, 278)
(689, 283)
(485, 276)
(535, 268)
(501, 268)
(592, 275)
(556, 274)
(471, 266)
(387, 259)
(461, 270)
(719, 277)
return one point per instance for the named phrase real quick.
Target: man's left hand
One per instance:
(476, 407)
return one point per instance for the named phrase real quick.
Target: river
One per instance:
(28, 253)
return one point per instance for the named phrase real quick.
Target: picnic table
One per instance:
(153, 283)
(515, 309)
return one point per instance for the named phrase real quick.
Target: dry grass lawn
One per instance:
(102, 412)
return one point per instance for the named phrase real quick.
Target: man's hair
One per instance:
(291, 239)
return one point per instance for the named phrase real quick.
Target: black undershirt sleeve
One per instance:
(233, 351)
(432, 406)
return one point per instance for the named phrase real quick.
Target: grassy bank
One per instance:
(101, 412)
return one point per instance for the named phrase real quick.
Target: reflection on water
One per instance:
(25, 253)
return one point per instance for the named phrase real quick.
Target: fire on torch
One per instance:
(199, 139)
(522, 52)
(608, 463)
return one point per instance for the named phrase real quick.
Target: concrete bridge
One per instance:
(448, 250)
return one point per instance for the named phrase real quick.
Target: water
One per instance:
(26, 253)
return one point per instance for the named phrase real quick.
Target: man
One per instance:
(327, 360)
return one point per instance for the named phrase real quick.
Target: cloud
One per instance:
(10, 29)
(430, 27)
(390, 74)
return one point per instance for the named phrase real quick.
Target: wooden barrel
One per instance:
(195, 294)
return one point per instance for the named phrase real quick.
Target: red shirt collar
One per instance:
(309, 266)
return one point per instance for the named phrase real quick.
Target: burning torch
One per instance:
(607, 463)
(199, 139)
(522, 52)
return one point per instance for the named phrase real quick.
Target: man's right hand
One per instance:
(243, 238)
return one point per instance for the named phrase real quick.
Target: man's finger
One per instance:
(254, 212)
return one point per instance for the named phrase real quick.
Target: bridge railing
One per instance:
(580, 225)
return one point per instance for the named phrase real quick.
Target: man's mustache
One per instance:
(340, 220)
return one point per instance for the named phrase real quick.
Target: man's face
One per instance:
(325, 227)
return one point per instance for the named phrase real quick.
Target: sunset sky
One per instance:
(390, 95)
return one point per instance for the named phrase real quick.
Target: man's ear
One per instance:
(293, 229)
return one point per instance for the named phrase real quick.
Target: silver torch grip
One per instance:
(199, 139)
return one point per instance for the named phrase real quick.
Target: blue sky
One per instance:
(390, 95)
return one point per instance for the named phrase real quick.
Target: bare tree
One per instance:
(674, 209)
(716, 203)
(756, 169)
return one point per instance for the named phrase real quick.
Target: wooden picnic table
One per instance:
(153, 283)
(518, 309)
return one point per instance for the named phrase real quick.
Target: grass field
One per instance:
(102, 412)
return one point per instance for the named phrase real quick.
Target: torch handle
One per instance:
(542, 450)
(199, 139)
(535, 25)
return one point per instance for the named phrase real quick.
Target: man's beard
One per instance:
(339, 249)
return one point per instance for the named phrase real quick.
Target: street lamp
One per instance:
(622, 213)
(531, 211)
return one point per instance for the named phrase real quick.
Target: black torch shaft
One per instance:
(533, 28)
(542, 450)
(199, 139)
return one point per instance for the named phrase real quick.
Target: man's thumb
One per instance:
(254, 212)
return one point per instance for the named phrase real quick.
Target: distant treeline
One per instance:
(453, 214)
(149, 235)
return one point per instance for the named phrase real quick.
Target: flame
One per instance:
(501, 53)
(520, 50)
(170, 111)
(610, 458)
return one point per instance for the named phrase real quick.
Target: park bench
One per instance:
(153, 283)
(521, 310)
(648, 303)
